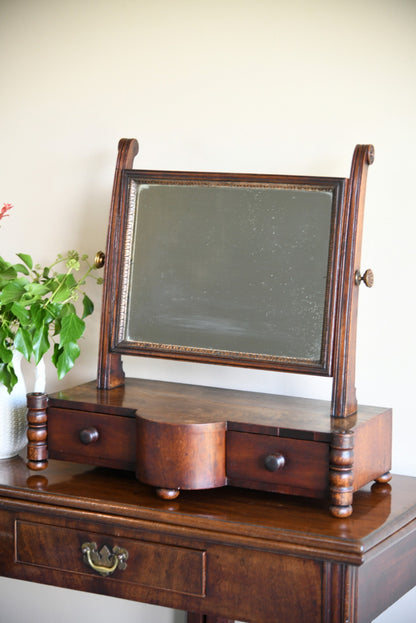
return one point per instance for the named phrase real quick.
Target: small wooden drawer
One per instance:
(284, 465)
(154, 565)
(87, 437)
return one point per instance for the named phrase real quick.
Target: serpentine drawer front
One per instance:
(125, 560)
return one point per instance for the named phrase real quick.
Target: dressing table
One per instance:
(230, 505)
(221, 555)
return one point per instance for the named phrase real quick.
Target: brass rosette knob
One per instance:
(367, 278)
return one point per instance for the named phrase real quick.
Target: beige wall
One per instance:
(239, 85)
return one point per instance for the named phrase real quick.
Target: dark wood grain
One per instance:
(179, 436)
(344, 401)
(37, 434)
(110, 370)
(114, 445)
(237, 512)
(305, 470)
(183, 456)
(273, 414)
(223, 553)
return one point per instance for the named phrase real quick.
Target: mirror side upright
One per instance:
(344, 400)
(110, 368)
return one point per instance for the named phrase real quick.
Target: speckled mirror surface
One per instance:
(229, 269)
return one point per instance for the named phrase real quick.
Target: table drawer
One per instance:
(300, 467)
(87, 437)
(142, 563)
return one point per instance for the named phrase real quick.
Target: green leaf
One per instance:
(88, 306)
(26, 259)
(62, 295)
(6, 353)
(7, 271)
(21, 268)
(40, 343)
(57, 350)
(13, 291)
(57, 324)
(71, 330)
(67, 309)
(52, 311)
(8, 376)
(38, 314)
(37, 289)
(21, 313)
(64, 287)
(23, 343)
(65, 358)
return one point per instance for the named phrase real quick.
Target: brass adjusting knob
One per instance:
(274, 462)
(368, 278)
(99, 259)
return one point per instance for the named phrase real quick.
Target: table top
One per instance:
(234, 515)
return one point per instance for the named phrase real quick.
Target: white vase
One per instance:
(13, 423)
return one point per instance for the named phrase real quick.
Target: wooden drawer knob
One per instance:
(89, 435)
(274, 462)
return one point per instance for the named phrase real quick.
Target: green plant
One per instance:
(38, 309)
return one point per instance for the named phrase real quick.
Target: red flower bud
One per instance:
(6, 207)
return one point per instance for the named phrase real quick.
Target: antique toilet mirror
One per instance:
(261, 271)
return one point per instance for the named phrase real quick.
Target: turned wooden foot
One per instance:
(384, 478)
(167, 494)
(340, 511)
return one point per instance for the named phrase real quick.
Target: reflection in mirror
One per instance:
(230, 268)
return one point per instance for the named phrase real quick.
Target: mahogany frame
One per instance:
(338, 358)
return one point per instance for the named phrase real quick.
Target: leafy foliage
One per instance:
(38, 310)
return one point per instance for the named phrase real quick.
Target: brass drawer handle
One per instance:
(104, 562)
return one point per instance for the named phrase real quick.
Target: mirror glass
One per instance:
(229, 269)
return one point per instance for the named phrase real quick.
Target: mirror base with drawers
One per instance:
(253, 271)
(184, 437)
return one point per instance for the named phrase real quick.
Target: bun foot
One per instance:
(167, 494)
(384, 478)
(340, 511)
